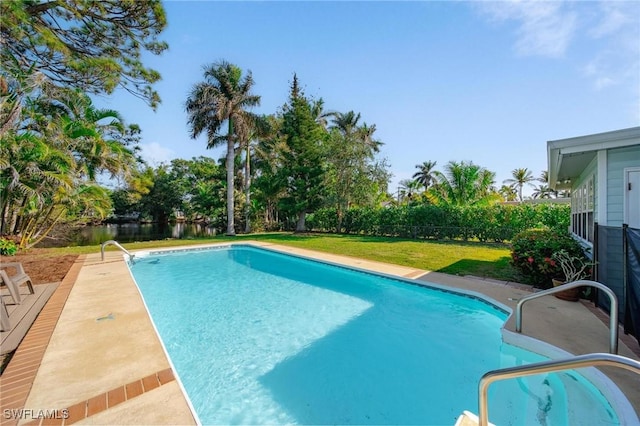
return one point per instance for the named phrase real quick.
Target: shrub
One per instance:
(496, 223)
(532, 254)
(8, 247)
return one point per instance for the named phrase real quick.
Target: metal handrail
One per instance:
(613, 314)
(588, 360)
(114, 243)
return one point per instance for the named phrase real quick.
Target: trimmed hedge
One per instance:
(496, 223)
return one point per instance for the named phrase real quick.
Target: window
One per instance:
(582, 209)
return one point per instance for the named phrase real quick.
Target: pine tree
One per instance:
(302, 169)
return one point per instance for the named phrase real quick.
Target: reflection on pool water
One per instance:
(259, 337)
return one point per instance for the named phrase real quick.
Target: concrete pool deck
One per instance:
(99, 361)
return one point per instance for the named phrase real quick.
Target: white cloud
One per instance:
(617, 62)
(154, 153)
(545, 28)
(548, 28)
(614, 17)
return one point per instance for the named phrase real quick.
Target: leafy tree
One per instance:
(223, 97)
(203, 186)
(463, 183)
(352, 174)
(94, 46)
(164, 196)
(302, 162)
(425, 173)
(519, 179)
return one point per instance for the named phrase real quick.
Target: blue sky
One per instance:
(488, 82)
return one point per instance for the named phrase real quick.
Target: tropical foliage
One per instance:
(51, 155)
(54, 143)
(224, 97)
(533, 250)
(463, 183)
(519, 178)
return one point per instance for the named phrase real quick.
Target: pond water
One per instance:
(130, 232)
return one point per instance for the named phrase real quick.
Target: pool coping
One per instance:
(103, 408)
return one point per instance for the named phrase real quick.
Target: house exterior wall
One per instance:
(617, 160)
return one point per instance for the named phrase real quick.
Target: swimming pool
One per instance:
(261, 337)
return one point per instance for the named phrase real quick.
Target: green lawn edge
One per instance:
(490, 260)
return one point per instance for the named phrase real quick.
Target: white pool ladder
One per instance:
(114, 243)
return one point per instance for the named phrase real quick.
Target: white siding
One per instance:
(617, 160)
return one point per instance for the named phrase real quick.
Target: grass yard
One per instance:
(451, 257)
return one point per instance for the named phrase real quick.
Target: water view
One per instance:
(130, 232)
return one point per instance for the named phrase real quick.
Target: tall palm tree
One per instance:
(259, 128)
(520, 177)
(224, 96)
(424, 175)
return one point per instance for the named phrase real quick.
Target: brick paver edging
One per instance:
(102, 402)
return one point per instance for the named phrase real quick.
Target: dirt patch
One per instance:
(41, 265)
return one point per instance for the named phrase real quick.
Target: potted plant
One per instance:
(574, 268)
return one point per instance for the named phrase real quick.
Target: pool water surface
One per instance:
(259, 337)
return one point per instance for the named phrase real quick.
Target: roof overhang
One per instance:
(567, 158)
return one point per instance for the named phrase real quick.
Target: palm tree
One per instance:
(321, 116)
(544, 178)
(408, 187)
(462, 184)
(425, 175)
(508, 193)
(520, 178)
(224, 96)
(260, 127)
(52, 158)
(542, 191)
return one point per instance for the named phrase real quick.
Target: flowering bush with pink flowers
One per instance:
(532, 255)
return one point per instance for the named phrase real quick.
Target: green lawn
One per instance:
(451, 257)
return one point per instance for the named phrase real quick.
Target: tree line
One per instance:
(278, 168)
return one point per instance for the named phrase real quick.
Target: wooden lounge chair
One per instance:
(14, 281)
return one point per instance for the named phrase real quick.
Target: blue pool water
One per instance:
(258, 337)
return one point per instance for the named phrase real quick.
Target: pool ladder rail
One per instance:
(589, 360)
(118, 245)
